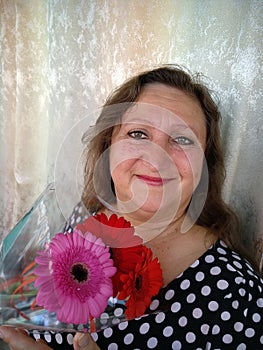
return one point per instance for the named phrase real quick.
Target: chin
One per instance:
(160, 210)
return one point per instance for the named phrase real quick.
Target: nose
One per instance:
(156, 155)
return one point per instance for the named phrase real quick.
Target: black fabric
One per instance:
(217, 303)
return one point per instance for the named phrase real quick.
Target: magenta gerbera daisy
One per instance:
(74, 277)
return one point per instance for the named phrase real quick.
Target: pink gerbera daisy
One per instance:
(74, 277)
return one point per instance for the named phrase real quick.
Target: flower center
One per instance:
(138, 282)
(79, 272)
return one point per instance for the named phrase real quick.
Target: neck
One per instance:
(151, 225)
(157, 226)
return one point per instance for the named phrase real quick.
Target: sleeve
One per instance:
(238, 324)
(79, 214)
(55, 340)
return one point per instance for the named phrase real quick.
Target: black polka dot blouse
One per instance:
(217, 303)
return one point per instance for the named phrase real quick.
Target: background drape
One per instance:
(61, 58)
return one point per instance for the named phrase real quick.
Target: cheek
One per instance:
(122, 162)
(189, 164)
(121, 174)
(121, 169)
(122, 156)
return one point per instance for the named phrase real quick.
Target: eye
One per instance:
(183, 141)
(137, 134)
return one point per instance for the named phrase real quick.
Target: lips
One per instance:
(152, 180)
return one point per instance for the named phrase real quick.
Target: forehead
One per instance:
(166, 107)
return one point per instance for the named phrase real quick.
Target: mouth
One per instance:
(152, 180)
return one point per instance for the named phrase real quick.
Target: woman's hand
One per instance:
(83, 341)
(18, 339)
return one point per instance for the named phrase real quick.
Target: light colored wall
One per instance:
(61, 58)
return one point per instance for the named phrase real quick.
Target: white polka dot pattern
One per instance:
(144, 328)
(36, 334)
(216, 303)
(78, 215)
(47, 337)
(184, 313)
(59, 338)
(70, 339)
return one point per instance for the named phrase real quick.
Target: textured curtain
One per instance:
(61, 58)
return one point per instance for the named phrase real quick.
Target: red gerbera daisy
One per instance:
(141, 284)
(115, 232)
(125, 259)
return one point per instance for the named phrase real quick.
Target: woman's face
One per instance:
(157, 154)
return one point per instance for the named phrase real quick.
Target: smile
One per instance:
(152, 181)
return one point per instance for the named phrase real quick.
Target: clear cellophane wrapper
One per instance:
(17, 255)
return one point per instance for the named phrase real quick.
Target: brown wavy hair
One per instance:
(216, 214)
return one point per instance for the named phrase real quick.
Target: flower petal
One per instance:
(72, 293)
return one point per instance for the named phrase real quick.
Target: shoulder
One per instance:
(78, 215)
(232, 263)
(222, 274)
(231, 274)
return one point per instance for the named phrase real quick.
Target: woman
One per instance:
(155, 157)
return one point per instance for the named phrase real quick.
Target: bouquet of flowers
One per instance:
(88, 277)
